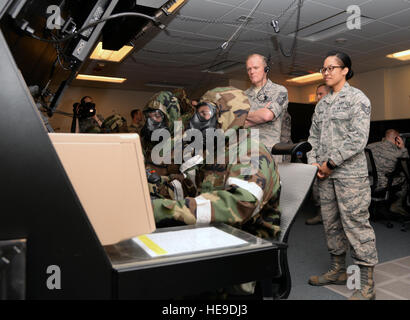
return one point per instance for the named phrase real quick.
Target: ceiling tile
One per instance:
(381, 8)
(340, 4)
(382, 52)
(204, 9)
(189, 47)
(373, 29)
(180, 25)
(401, 19)
(269, 7)
(233, 3)
(164, 36)
(365, 45)
(255, 38)
(393, 37)
(160, 46)
(313, 12)
(220, 31)
(348, 35)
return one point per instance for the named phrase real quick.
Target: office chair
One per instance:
(381, 196)
(297, 151)
(296, 182)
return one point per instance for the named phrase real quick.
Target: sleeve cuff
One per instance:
(337, 159)
(277, 110)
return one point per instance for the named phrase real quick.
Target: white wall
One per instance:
(388, 90)
(398, 93)
(107, 102)
(373, 86)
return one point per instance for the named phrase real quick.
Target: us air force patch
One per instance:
(281, 98)
(365, 108)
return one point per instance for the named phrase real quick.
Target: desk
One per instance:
(138, 276)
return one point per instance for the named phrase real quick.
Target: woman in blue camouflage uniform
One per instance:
(338, 135)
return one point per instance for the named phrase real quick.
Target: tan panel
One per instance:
(108, 174)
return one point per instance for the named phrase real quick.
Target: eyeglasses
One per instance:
(330, 69)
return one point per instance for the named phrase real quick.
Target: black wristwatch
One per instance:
(330, 164)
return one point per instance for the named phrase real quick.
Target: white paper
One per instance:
(187, 241)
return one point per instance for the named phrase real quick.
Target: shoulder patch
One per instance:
(281, 98)
(365, 108)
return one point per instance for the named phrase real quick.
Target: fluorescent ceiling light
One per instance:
(402, 55)
(100, 78)
(328, 27)
(109, 55)
(172, 6)
(308, 78)
(164, 85)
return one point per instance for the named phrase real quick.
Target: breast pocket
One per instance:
(340, 124)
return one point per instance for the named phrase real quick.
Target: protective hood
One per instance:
(115, 123)
(232, 106)
(168, 104)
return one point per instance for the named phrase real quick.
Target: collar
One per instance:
(342, 93)
(251, 90)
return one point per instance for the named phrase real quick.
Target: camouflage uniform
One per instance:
(339, 132)
(115, 123)
(166, 102)
(90, 125)
(187, 110)
(276, 101)
(385, 154)
(135, 128)
(286, 136)
(223, 193)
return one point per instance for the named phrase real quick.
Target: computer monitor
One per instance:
(108, 174)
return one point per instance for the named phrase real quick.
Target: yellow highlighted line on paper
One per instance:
(152, 245)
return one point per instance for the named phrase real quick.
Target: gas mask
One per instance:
(155, 120)
(204, 118)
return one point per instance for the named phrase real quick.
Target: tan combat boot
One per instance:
(335, 275)
(366, 291)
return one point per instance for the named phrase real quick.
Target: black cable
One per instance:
(290, 54)
(90, 25)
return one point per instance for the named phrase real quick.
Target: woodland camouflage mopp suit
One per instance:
(167, 103)
(221, 192)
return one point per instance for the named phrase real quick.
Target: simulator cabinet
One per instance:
(53, 244)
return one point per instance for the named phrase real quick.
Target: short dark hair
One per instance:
(134, 112)
(83, 99)
(347, 62)
(391, 133)
(322, 85)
